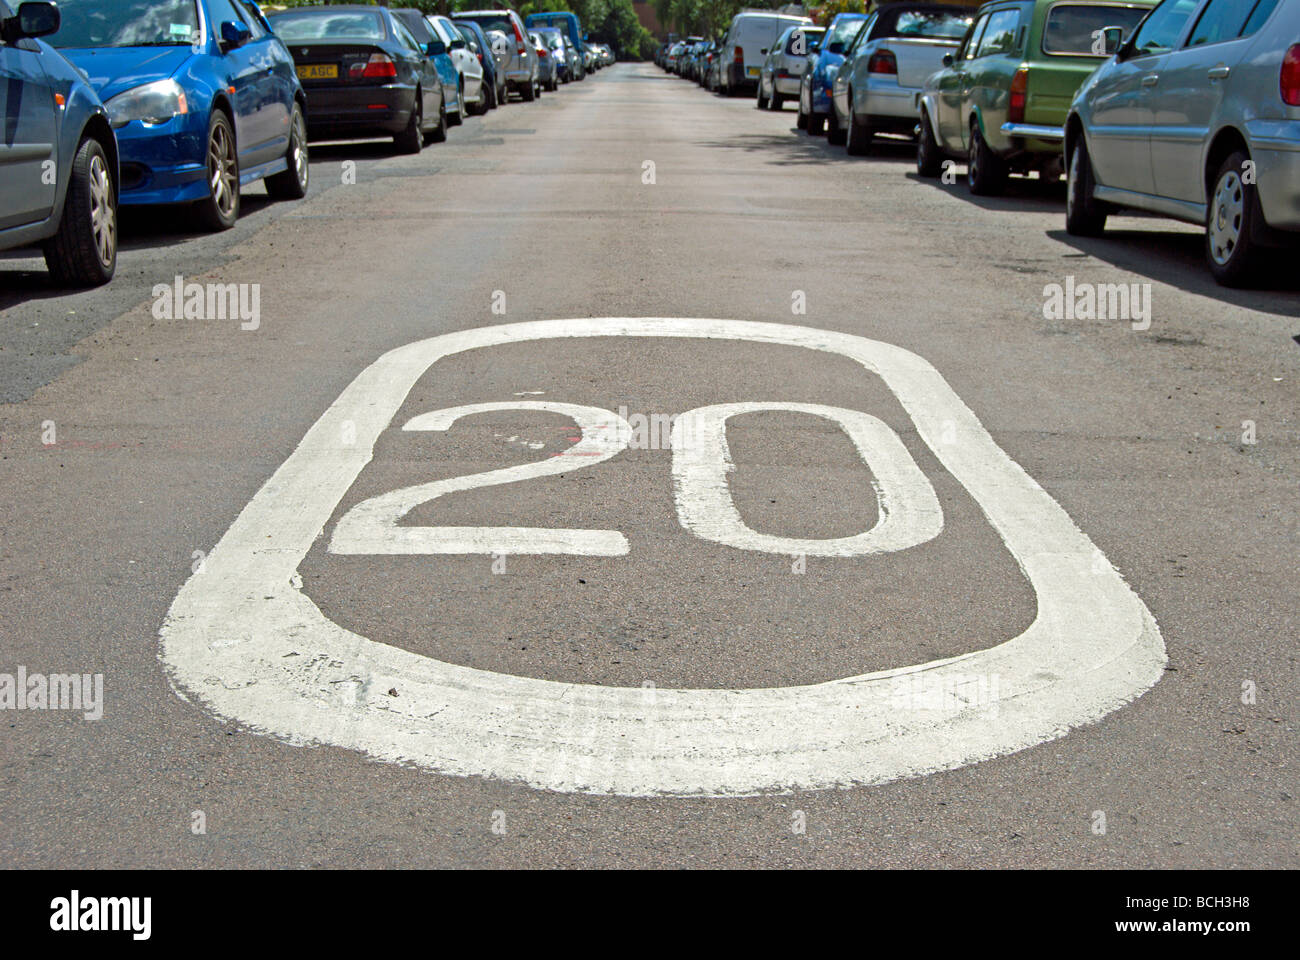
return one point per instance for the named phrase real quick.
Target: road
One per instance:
(1092, 521)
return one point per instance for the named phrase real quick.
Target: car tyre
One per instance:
(1232, 253)
(439, 133)
(761, 103)
(84, 251)
(411, 140)
(529, 91)
(1084, 215)
(777, 102)
(860, 135)
(458, 117)
(816, 125)
(292, 184)
(985, 174)
(220, 209)
(835, 134)
(929, 160)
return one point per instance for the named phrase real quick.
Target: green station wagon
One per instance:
(1001, 100)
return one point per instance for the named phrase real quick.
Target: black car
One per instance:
(365, 75)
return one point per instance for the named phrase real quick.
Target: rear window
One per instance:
(494, 21)
(1071, 28)
(923, 24)
(845, 31)
(418, 26)
(809, 35)
(316, 25)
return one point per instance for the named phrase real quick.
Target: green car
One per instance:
(1001, 100)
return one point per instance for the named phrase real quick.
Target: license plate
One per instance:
(328, 71)
(751, 72)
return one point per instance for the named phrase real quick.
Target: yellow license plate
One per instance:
(322, 72)
(752, 72)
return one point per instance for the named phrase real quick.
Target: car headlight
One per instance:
(152, 103)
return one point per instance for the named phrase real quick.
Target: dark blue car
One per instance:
(815, 88)
(478, 43)
(202, 95)
(58, 155)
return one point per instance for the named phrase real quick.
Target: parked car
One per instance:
(569, 25)
(469, 69)
(553, 40)
(573, 62)
(1197, 117)
(547, 68)
(502, 49)
(477, 43)
(784, 67)
(749, 39)
(58, 163)
(202, 96)
(1002, 97)
(521, 70)
(365, 75)
(434, 46)
(714, 67)
(877, 87)
(816, 83)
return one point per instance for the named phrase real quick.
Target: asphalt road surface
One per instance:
(930, 576)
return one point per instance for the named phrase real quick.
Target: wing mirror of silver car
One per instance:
(1111, 40)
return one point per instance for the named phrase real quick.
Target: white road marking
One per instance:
(248, 645)
(371, 526)
(909, 511)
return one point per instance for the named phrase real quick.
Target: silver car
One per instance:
(520, 69)
(1196, 117)
(783, 70)
(548, 68)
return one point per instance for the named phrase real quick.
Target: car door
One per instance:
(466, 64)
(1186, 102)
(431, 79)
(953, 89)
(1124, 113)
(987, 79)
(276, 83)
(28, 157)
(246, 77)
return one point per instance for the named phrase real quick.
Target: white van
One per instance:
(746, 45)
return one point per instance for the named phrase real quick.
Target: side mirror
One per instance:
(1111, 40)
(435, 48)
(234, 34)
(32, 20)
(836, 47)
(458, 45)
(949, 59)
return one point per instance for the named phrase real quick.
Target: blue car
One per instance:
(815, 88)
(58, 155)
(482, 48)
(202, 95)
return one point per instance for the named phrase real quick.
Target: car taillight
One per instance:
(541, 52)
(1019, 96)
(1291, 77)
(882, 61)
(519, 38)
(739, 56)
(480, 58)
(380, 66)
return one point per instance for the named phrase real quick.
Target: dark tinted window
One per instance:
(305, 26)
(905, 20)
(1000, 34)
(1161, 30)
(1259, 16)
(1223, 20)
(1072, 28)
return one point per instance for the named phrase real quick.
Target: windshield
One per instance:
(494, 21)
(126, 23)
(1071, 29)
(845, 31)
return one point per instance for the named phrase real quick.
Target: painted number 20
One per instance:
(908, 510)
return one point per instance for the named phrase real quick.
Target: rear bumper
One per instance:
(888, 99)
(358, 111)
(1275, 147)
(1034, 131)
(787, 86)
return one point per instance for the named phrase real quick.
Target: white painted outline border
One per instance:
(244, 641)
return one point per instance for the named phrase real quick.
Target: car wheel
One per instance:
(292, 183)
(985, 174)
(777, 102)
(761, 103)
(860, 135)
(835, 134)
(457, 118)
(801, 121)
(411, 140)
(220, 209)
(1233, 255)
(439, 133)
(84, 251)
(1084, 216)
(816, 125)
(529, 91)
(929, 161)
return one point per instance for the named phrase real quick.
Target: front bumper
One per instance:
(166, 163)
